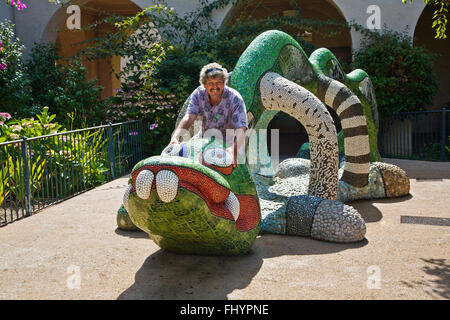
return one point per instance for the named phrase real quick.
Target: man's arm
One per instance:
(184, 124)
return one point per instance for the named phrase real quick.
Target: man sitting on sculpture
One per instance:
(222, 110)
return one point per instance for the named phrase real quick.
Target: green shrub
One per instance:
(25, 88)
(76, 94)
(401, 74)
(60, 165)
(63, 88)
(29, 127)
(14, 91)
(43, 75)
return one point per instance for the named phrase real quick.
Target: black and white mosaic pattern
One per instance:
(356, 139)
(278, 93)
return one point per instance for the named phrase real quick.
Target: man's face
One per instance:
(214, 87)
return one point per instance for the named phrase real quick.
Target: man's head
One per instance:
(213, 77)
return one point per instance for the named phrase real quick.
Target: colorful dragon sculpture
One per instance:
(190, 199)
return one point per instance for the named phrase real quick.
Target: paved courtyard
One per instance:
(74, 251)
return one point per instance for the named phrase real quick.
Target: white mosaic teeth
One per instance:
(166, 185)
(144, 183)
(218, 157)
(126, 196)
(232, 204)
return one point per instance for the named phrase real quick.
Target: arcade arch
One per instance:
(68, 40)
(424, 36)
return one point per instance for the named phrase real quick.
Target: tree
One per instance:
(439, 16)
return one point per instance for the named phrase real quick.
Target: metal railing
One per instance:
(40, 171)
(420, 135)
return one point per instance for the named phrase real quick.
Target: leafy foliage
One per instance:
(14, 92)
(29, 127)
(439, 16)
(401, 74)
(43, 75)
(60, 165)
(25, 88)
(63, 87)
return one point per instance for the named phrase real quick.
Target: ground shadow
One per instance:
(409, 196)
(367, 210)
(136, 234)
(371, 213)
(439, 287)
(166, 275)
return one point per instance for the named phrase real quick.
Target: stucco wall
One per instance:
(6, 12)
(33, 23)
(40, 21)
(184, 6)
(393, 13)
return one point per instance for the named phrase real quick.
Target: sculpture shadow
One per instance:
(367, 210)
(165, 275)
(135, 234)
(371, 213)
(394, 200)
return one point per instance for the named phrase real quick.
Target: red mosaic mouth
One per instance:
(212, 193)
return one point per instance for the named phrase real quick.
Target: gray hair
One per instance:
(213, 70)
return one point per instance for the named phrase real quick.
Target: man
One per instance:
(220, 106)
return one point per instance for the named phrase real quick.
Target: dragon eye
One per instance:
(218, 157)
(176, 150)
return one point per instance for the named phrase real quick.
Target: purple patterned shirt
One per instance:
(229, 113)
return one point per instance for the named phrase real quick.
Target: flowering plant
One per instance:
(17, 3)
(28, 127)
(2, 63)
(20, 6)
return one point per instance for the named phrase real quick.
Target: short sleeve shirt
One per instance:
(229, 113)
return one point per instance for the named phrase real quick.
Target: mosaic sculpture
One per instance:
(191, 199)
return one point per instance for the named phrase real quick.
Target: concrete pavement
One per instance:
(74, 251)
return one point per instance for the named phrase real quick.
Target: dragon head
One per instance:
(191, 199)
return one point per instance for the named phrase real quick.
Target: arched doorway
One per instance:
(291, 132)
(69, 41)
(322, 10)
(424, 36)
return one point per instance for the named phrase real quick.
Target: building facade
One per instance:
(43, 22)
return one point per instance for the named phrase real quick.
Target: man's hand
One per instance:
(185, 123)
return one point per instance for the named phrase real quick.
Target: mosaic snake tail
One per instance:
(356, 139)
(278, 93)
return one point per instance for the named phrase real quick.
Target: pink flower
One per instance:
(2, 66)
(153, 126)
(18, 4)
(5, 116)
